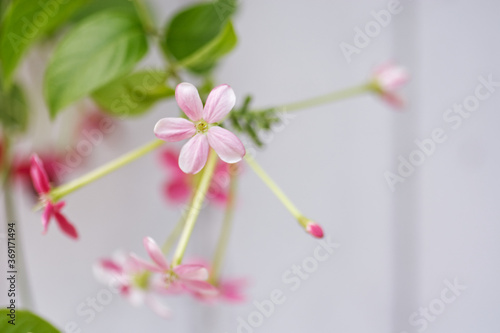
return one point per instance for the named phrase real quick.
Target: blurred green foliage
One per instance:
(25, 321)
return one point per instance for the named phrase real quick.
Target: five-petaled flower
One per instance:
(191, 278)
(387, 79)
(202, 127)
(52, 209)
(133, 282)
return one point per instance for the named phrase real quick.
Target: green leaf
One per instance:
(207, 56)
(13, 109)
(199, 35)
(25, 321)
(25, 22)
(95, 6)
(133, 94)
(100, 49)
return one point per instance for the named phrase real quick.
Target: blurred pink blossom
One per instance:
(52, 209)
(133, 282)
(189, 277)
(179, 187)
(389, 78)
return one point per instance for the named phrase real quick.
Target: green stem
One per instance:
(63, 190)
(145, 17)
(22, 276)
(274, 187)
(324, 99)
(195, 208)
(225, 231)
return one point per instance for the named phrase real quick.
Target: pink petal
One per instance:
(226, 144)
(39, 175)
(394, 100)
(177, 190)
(191, 272)
(232, 290)
(170, 158)
(390, 76)
(110, 265)
(174, 129)
(194, 154)
(189, 100)
(220, 102)
(159, 308)
(135, 296)
(217, 194)
(139, 264)
(46, 216)
(202, 287)
(155, 253)
(65, 225)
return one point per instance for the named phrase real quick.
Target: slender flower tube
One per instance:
(309, 226)
(52, 208)
(201, 129)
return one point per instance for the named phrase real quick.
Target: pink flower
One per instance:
(191, 278)
(388, 78)
(133, 282)
(202, 127)
(179, 187)
(52, 209)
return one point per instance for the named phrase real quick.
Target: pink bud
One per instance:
(390, 77)
(314, 229)
(39, 175)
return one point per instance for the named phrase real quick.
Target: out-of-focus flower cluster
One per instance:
(179, 186)
(146, 282)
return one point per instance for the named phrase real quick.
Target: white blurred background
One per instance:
(397, 248)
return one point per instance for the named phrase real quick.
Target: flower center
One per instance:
(141, 280)
(201, 126)
(170, 277)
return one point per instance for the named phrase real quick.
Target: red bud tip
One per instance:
(314, 229)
